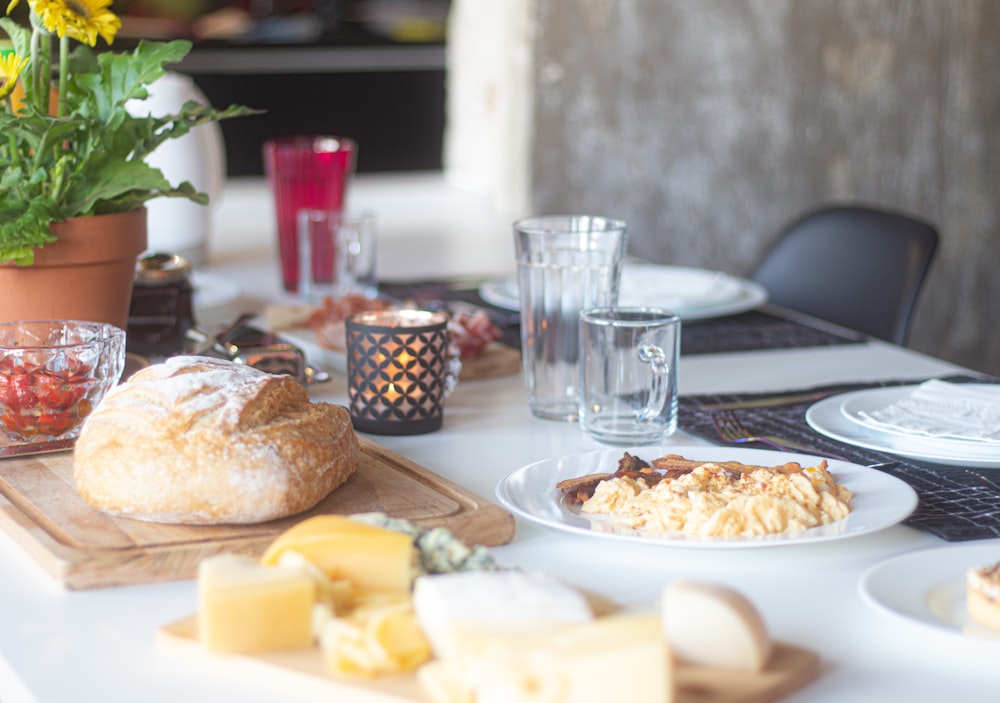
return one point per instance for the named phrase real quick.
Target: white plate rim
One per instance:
(871, 515)
(825, 417)
(901, 586)
(886, 396)
(213, 291)
(501, 292)
(747, 294)
(316, 354)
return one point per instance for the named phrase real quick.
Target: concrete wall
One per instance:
(707, 124)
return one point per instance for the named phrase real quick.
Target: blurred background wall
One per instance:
(707, 124)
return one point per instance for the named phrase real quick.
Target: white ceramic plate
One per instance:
(928, 587)
(827, 418)
(213, 294)
(874, 399)
(880, 500)
(316, 354)
(692, 293)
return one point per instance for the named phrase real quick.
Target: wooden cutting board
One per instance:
(303, 670)
(496, 360)
(84, 548)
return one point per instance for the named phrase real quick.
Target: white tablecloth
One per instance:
(100, 644)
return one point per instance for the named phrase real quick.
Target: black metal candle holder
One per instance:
(397, 370)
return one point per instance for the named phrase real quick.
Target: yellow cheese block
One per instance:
(245, 606)
(371, 558)
(615, 658)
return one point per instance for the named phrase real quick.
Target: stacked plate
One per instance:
(692, 293)
(859, 418)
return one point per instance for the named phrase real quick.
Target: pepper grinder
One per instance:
(161, 310)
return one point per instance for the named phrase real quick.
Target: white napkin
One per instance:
(940, 409)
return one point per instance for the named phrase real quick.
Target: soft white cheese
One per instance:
(714, 625)
(614, 658)
(451, 606)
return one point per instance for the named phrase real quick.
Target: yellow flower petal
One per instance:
(82, 20)
(11, 66)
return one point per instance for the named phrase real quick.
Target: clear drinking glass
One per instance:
(305, 172)
(566, 263)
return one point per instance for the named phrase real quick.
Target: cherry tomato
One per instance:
(38, 401)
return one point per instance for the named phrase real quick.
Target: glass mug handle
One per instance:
(657, 359)
(348, 251)
(452, 364)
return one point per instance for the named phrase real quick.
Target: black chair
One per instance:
(856, 266)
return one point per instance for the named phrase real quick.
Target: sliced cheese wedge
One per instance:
(714, 625)
(371, 558)
(248, 607)
(451, 606)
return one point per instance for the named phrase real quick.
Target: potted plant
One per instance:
(71, 154)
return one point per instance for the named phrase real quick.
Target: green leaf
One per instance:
(20, 36)
(28, 228)
(124, 76)
(91, 160)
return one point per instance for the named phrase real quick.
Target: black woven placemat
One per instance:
(955, 503)
(769, 328)
(435, 292)
(761, 329)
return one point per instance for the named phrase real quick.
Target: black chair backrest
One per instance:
(857, 266)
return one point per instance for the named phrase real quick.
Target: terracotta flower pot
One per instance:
(86, 275)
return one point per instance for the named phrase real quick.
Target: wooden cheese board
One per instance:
(303, 670)
(496, 359)
(83, 548)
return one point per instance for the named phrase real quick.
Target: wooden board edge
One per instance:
(84, 569)
(306, 677)
(476, 510)
(92, 569)
(477, 521)
(47, 553)
(791, 668)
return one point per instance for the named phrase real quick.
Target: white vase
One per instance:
(177, 225)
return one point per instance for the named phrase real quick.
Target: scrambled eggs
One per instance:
(714, 501)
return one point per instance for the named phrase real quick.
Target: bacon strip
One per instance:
(581, 488)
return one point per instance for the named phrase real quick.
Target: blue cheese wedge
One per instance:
(439, 550)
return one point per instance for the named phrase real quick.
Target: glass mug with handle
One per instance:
(628, 374)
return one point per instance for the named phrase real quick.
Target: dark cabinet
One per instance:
(389, 99)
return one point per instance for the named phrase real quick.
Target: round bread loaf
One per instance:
(200, 441)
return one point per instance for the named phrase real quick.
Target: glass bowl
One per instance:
(53, 373)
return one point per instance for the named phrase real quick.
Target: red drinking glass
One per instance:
(306, 172)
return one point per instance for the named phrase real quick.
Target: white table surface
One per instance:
(99, 645)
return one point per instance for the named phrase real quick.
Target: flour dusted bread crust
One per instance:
(197, 440)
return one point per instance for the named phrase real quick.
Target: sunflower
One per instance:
(11, 66)
(82, 20)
